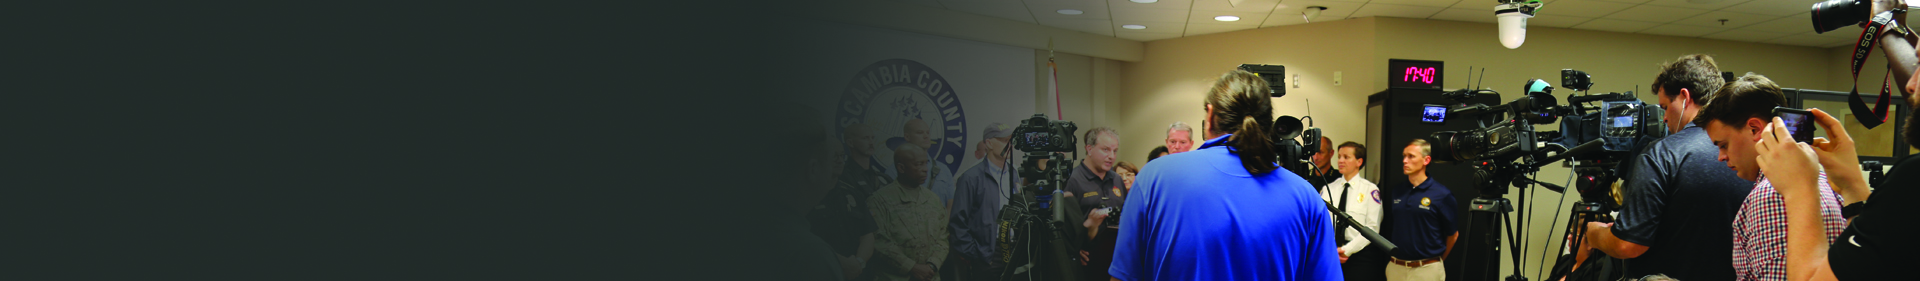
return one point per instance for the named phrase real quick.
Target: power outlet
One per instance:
(1336, 78)
(1296, 81)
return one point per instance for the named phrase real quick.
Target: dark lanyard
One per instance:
(1877, 114)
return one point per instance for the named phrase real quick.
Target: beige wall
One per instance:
(1166, 86)
(1089, 92)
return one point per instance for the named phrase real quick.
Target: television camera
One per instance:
(1032, 238)
(1507, 148)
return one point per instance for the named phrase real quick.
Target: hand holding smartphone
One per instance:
(1799, 122)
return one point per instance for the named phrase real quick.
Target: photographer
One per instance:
(1222, 212)
(1734, 118)
(1095, 186)
(1679, 199)
(1876, 235)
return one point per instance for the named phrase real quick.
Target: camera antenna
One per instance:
(1483, 78)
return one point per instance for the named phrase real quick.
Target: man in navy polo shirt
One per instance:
(1420, 220)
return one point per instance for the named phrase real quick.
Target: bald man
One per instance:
(915, 133)
(911, 242)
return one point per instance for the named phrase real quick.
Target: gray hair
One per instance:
(1093, 136)
(1180, 126)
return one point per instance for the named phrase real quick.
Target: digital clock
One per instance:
(1415, 74)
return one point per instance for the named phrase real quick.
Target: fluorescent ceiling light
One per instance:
(1134, 26)
(1144, 1)
(1069, 12)
(1226, 18)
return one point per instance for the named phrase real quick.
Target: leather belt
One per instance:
(1416, 263)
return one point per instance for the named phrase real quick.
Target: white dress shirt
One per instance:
(1363, 204)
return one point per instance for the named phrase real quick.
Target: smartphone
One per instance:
(1799, 122)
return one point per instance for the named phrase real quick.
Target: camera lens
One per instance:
(1834, 14)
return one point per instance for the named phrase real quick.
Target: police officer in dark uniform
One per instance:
(1093, 186)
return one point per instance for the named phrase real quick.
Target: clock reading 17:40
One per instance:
(1423, 75)
(1416, 74)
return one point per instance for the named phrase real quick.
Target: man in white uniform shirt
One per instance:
(1361, 200)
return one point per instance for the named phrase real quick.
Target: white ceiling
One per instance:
(1783, 22)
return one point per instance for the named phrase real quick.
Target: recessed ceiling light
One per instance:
(1226, 18)
(1134, 26)
(1144, 1)
(1069, 12)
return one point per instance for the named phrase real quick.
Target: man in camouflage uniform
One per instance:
(911, 241)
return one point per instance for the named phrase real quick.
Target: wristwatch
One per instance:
(935, 267)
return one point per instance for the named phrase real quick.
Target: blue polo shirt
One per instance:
(1199, 215)
(1420, 219)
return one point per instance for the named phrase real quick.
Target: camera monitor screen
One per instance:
(1433, 114)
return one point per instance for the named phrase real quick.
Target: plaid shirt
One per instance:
(1760, 230)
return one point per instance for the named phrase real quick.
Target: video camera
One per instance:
(1295, 155)
(1032, 239)
(1622, 122)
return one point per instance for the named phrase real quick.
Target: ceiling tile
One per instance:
(1147, 36)
(1391, 10)
(1773, 7)
(1006, 9)
(1682, 30)
(1615, 25)
(1162, 4)
(1581, 8)
(1291, 14)
(1201, 28)
(1696, 4)
(1142, 14)
(1259, 6)
(1746, 35)
(1557, 21)
(1655, 14)
(1422, 3)
(1789, 24)
(1093, 9)
(1474, 5)
(1246, 18)
(1095, 26)
(1464, 15)
(1734, 20)
(1152, 27)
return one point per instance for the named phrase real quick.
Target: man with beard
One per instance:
(1878, 230)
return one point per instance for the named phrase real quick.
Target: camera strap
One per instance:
(1877, 114)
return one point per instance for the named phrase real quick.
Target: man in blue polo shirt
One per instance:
(1225, 211)
(1420, 221)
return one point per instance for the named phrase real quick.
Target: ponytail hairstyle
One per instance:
(1242, 107)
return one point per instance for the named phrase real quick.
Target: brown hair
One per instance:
(1697, 73)
(1242, 107)
(1359, 151)
(1753, 96)
(1131, 169)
